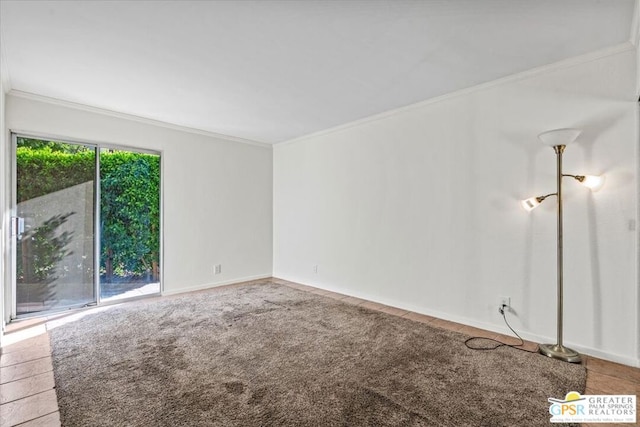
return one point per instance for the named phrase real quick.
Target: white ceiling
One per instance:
(271, 71)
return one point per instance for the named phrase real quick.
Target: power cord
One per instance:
(501, 310)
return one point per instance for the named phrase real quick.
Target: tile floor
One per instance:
(27, 391)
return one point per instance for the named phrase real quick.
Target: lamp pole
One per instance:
(558, 350)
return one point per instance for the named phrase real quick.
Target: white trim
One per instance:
(637, 231)
(567, 63)
(83, 141)
(215, 285)
(9, 288)
(3, 215)
(131, 117)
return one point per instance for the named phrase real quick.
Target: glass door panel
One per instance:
(129, 224)
(54, 225)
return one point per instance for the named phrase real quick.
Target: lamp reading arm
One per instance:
(533, 202)
(592, 182)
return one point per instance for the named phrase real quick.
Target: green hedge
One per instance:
(129, 192)
(42, 170)
(129, 213)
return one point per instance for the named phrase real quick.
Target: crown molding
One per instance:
(134, 118)
(567, 63)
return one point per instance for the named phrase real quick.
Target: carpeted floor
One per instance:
(269, 355)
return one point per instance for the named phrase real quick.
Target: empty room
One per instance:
(319, 213)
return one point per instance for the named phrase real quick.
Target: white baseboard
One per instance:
(613, 357)
(215, 284)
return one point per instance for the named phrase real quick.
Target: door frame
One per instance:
(9, 288)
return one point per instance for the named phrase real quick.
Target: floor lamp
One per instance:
(558, 139)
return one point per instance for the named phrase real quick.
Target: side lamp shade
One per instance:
(592, 182)
(531, 203)
(557, 137)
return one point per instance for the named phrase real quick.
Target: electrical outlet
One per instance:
(315, 269)
(217, 269)
(505, 301)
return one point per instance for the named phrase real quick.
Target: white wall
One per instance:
(419, 208)
(217, 193)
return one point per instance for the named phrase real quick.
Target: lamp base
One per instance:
(560, 352)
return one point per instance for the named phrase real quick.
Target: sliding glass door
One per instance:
(53, 226)
(86, 225)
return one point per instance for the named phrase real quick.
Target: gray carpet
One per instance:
(269, 355)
